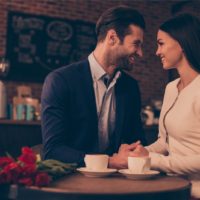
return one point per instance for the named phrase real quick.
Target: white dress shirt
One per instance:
(105, 102)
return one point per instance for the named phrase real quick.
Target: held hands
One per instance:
(119, 160)
(126, 148)
(139, 151)
(134, 149)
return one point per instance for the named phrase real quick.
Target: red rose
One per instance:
(29, 170)
(28, 158)
(27, 150)
(42, 179)
(13, 170)
(5, 161)
(25, 170)
(26, 181)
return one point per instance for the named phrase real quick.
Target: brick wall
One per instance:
(148, 72)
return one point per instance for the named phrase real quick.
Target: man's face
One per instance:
(126, 51)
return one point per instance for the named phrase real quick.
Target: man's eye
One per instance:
(137, 44)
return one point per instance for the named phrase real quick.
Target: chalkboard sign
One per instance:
(37, 45)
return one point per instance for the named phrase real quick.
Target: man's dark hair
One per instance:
(185, 28)
(118, 18)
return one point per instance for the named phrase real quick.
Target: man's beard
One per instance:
(124, 63)
(119, 60)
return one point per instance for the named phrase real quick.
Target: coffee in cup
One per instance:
(138, 165)
(96, 162)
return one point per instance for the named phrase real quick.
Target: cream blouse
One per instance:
(177, 150)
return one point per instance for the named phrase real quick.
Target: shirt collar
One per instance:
(97, 70)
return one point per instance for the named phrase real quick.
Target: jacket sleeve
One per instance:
(56, 121)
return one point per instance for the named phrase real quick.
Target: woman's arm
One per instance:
(175, 163)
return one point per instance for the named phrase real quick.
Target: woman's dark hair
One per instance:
(118, 18)
(185, 29)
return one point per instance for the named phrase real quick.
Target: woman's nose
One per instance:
(157, 52)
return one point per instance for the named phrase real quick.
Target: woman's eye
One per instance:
(160, 43)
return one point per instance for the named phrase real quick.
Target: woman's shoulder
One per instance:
(173, 84)
(197, 81)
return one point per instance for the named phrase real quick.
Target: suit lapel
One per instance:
(88, 90)
(120, 110)
(89, 95)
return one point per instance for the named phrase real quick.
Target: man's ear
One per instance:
(112, 37)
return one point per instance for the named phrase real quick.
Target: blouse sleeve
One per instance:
(177, 164)
(159, 146)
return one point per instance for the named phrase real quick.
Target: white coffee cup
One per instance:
(138, 165)
(96, 162)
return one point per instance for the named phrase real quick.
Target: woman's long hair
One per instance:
(185, 29)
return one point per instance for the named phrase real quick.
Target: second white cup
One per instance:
(96, 162)
(139, 165)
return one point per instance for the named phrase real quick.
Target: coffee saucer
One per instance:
(146, 175)
(99, 173)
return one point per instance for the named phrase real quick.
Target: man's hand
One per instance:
(139, 151)
(118, 161)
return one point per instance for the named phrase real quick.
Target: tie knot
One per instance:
(106, 80)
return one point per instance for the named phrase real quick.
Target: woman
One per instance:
(177, 150)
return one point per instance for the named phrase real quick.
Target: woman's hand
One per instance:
(126, 148)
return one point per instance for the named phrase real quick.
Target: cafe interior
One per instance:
(39, 36)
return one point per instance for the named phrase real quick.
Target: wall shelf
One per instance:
(14, 134)
(19, 122)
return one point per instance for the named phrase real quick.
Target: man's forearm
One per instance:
(117, 162)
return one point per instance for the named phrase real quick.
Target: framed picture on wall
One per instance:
(39, 44)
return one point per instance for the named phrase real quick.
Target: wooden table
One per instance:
(115, 187)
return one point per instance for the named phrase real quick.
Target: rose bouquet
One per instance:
(28, 169)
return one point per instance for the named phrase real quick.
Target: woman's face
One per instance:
(169, 51)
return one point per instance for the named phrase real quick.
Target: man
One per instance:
(93, 106)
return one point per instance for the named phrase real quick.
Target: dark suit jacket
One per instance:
(69, 115)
